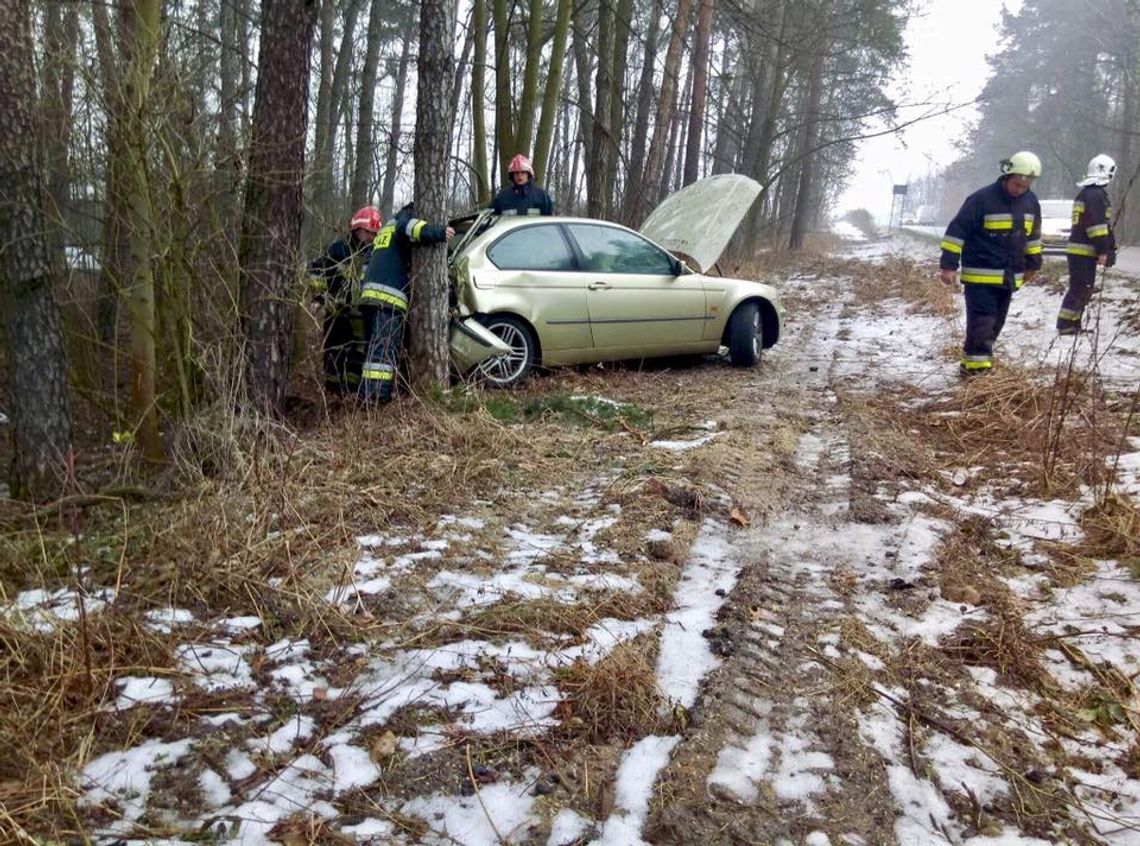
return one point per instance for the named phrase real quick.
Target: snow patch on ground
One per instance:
(685, 657)
(633, 788)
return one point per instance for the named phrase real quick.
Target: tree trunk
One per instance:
(478, 105)
(674, 158)
(602, 154)
(361, 191)
(142, 34)
(318, 184)
(61, 36)
(727, 145)
(271, 225)
(528, 98)
(549, 115)
(41, 418)
(616, 120)
(504, 130)
(338, 94)
(387, 197)
(244, 17)
(633, 184)
(428, 316)
(700, 90)
(769, 86)
(114, 258)
(460, 74)
(806, 153)
(666, 107)
(583, 50)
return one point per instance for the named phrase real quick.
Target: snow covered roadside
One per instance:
(991, 741)
(288, 729)
(475, 644)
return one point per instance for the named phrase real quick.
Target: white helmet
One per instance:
(1023, 163)
(1101, 170)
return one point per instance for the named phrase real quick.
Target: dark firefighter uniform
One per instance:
(1090, 238)
(997, 238)
(335, 279)
(523, 199)
(384, 298)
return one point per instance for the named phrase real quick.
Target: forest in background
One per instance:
(178, 160)
(1065, 85)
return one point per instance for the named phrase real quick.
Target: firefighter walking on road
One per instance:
(335, 277)
(1092, 242)
(384, 297)
(996, 237)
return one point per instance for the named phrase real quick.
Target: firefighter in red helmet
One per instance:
(335, 278)
(522, 196)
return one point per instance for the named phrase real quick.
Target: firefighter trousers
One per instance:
(384, 329)
(986, 309)
(1082, 276)
(343, 349)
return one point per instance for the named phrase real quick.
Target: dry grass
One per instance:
(898, 277)
(1009, 419)
(1002, 643)
(53, 686)
(1112, 530)
(247, 500)
(616, 698)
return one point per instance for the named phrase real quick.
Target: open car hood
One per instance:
(698, 221)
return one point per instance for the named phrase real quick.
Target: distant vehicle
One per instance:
(1056, 222)
(922, 216)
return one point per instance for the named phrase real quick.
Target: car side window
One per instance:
(607, 249)
(532, 248)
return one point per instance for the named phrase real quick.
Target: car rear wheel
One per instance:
(508, 370)
(745, 335)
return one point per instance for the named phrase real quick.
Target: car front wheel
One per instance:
(508, 370)
(745, 335)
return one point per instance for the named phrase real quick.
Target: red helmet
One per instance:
(520, 164)
(368, 219)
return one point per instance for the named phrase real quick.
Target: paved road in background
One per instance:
(1127, 258)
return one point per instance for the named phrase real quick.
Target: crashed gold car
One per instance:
(566, 290)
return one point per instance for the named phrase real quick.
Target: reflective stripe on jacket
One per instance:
(995, 237)
(386, 283)
(523, 199)
(1092, 234)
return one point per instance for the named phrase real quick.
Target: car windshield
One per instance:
(1056, 208)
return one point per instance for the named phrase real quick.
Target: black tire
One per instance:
(509, 370)
(745, 335)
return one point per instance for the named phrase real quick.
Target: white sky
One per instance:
(947, 43)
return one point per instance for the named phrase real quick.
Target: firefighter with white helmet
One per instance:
(996, 238)
(522, 196)
(335, 278)
(1092, 242)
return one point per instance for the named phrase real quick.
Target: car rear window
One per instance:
(532, 248)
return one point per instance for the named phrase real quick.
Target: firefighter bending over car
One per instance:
(334, 279)
(1092, 242)
(522, 196)
(384, 297)
(996, 236)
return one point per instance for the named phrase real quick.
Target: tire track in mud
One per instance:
(774, 752)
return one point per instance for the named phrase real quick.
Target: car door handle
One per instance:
(598, 286)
